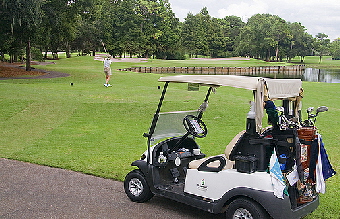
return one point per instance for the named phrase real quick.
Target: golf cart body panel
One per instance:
(213, 185)
(174, 166)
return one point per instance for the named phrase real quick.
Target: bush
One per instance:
(173, 55)
(37, 54)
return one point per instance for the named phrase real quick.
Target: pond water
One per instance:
(309, 74)
(322, 75)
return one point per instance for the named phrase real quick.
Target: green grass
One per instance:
(98, 131)
(313, 62)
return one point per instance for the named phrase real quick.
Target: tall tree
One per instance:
(160, 28)
(201, 34)
(235, 25)
(6, 31)
(335, 49)
(194, 33)
(264, 36)
(301, 41)
(203, 21)
(61, 19)
(25, 18)
(167, 36)
(218, 37)
(321, 44)
(189, 34)
(88, 33)
(280, 34)
(123, 27)
(254, 38)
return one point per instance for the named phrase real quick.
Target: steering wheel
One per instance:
(195, 126)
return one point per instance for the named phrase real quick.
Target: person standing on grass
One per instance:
(107, 71)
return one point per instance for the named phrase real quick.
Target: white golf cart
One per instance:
(263, 173)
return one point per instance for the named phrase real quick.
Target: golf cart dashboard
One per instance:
(168, 150)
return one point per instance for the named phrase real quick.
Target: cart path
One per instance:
(34, 191)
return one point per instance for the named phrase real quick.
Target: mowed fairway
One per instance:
(96, 130)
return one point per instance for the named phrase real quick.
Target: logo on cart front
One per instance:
(201, 186)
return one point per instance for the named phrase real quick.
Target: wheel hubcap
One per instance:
(135, 187)
(242, 213)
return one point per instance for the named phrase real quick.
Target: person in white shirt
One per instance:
(107, 71)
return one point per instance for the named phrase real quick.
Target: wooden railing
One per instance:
(286, 70)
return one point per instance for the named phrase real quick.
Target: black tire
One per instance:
(243, 208)
(136, 187)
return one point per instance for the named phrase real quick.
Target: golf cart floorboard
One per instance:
(177, 188)
(175, 191)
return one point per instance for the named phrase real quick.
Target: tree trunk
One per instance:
(45, 56)
(28, 56)
(302, 59)
(268, 56)
(68, 50)
(277, 53)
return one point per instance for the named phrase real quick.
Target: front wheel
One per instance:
(136, 187)
(243, 208)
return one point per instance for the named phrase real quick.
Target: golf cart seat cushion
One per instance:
(229, 165)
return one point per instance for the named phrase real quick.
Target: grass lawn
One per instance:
(96, 130)
(313, 62)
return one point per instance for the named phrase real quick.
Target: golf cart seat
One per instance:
(216, 160)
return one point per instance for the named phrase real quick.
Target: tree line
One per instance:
(147, 28)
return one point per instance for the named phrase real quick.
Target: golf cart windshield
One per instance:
(170, 124)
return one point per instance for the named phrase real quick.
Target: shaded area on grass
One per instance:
(15, 71)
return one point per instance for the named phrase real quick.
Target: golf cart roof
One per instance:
(276, 88)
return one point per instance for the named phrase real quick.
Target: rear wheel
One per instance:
(243, 208)
(136, 187)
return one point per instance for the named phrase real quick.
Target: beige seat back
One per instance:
(229, 165)
(232, 143)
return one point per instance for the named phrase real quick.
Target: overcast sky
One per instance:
(317, 16)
